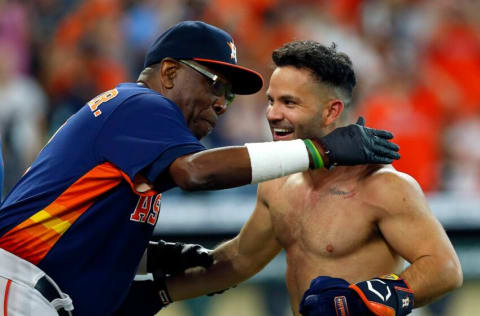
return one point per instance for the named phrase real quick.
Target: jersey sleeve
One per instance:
(145, 132)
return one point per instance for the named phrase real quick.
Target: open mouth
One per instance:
(282, 132)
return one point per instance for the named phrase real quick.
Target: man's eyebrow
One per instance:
(288, 97)
(285, 97)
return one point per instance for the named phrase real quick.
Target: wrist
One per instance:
(317, 154)
(272, 160)
(154, 255)
(160, 282)
(386, 294)
(324, 152)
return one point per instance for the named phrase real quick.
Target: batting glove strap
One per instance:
(388, 295)
(160, 284)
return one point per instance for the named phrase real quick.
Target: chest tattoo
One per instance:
(342, 193)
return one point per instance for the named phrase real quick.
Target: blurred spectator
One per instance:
(84, 58)
(22, 110)
(452, 62)
(462, 174)
(144, 20)
(395, 106)
(14, 33)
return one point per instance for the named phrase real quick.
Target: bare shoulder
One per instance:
(394, 191)
(270, 189)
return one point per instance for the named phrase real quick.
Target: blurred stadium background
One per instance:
(418, 69)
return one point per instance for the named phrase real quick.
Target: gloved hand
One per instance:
(331, 297)
(147, 297)
(173, 258)
(356, 144)
(384, 296)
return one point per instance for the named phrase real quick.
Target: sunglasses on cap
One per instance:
(219, 88)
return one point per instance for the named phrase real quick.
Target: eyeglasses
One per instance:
(219, 88)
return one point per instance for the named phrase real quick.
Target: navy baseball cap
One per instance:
(206, 44)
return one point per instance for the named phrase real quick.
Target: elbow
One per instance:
(191, 183)
(453, 274)
(188, 176)
(457, 278)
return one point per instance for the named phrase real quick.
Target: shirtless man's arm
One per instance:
(413, 232)
(235, 260)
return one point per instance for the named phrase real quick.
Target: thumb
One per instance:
(360, 121)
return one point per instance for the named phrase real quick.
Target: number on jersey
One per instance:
(104, 97)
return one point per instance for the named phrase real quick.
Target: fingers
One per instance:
(381, 133)
(361, 121)
(382, 160)
(205, 260)
(316, 305)
(386, 144)
(196, 255)
(385, 152)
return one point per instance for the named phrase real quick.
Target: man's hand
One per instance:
(331, 297)
(356, 144)
(385, 296)
(173, 258)
(147, 297)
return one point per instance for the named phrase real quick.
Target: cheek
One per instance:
(308, 125)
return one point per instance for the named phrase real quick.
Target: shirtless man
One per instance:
(339, 227)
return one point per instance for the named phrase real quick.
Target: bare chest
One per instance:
(328, 221)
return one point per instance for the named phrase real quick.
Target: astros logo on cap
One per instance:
(233, 55)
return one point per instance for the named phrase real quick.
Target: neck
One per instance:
(319, 177)
(144, 84)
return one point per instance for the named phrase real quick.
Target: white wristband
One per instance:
(277, 159)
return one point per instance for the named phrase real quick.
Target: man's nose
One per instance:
(220, 105)
(274, 113)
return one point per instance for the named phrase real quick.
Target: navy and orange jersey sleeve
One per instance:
(147, 132)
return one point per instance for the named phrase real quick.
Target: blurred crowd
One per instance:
(417, 64)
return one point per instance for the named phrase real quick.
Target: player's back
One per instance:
(71, 214)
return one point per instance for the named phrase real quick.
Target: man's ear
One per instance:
(332, 111)
(168, 72)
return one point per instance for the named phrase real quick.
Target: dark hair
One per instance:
(326, 63)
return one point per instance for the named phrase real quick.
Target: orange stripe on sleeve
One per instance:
(33, 238)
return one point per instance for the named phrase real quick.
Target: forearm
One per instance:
(213, 169)
(432, 276)
(226, 271)
(229, 167)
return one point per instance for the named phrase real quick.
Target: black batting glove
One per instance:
(174, 258)
(356, 144)
(145, 298)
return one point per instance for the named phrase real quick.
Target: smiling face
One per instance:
(299, 106)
